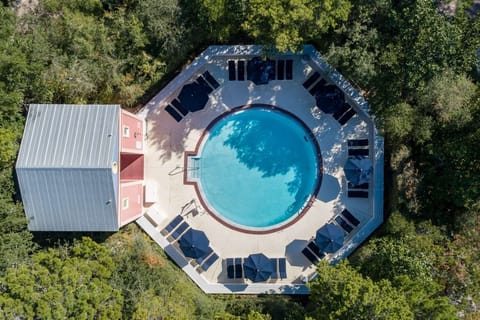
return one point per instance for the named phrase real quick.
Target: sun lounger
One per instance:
(230, 268)
(282, 268)
(315, 249)
(180, 107)
(280, 69)
(274, 274)
(178, 232)
(208, 263)
(357, 142)
(289, 70)
(349, 216)
(311, 80)
(238, 268)
(345, 226)
(205, 256)
(357, 152)
(310, 256)
(363, 186)
(313, 91)
(173, 224)
(231, 70)
(341, 111)
(201, 81)
(241, 70)
(357, 194)
(171, 111)
(211, 79)
(347, 116)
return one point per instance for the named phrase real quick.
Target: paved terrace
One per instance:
(167, 140)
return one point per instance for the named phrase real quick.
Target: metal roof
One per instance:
(64, 167)
(69, 136)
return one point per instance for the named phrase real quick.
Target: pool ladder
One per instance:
(193, 168)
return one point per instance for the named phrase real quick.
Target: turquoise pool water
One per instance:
(258, 167)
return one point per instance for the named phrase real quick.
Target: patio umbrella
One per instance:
(329, 238)
(329, 98)
(194, 243)
(193, 96)
(257, 267)
(358, 170)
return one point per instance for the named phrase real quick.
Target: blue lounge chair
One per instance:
(289, 70)
(357, 194)
(347, 116)
(174, 223)
(349, 216)
(282, 268)
(180, 107)
(280, 69)
(230, 268)
(357, 152)
(315, 249)
(238, 268)
(231, 70)
(313, 91)
(357, 142)
(201, 81)
(178, 232)
(310, 256)
(211, 79)
(311, 80)
(208, 263)
(241, 70)
(205, 256)
(274, 274)
(171, 111)
(345, 226)
(363, 186)
(341, 111)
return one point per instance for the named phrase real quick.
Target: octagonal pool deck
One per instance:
(167, 141)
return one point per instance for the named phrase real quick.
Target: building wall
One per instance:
(133, 191)
(131, 133)
(131, 166)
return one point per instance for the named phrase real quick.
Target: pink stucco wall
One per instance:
(133, 191)
(133, 142)
(131, 166)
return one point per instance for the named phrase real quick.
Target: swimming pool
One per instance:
(258, 167)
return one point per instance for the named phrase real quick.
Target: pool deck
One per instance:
(165, 144)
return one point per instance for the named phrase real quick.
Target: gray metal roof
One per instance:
(64, 167)
(69, 136)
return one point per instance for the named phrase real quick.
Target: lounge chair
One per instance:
(363, 186)
(341, 111)
(315, 249)
(357, 194)
(280, 69)
(178, 232)
(282, 268)
(175, 115)
(241, 70)
(211, 79)
(201, 81)
(179, 106)
(289, 70)
(208, 263)
(349, 216)
(231, 70)
(357, 142)
(310, 256)
(313, 91)
(173, 224)
(238, 268)
(347, 116)
(311, 80)
(205, 256)
(357, 152)
(230, 268)
(275, 274)
(345, 226)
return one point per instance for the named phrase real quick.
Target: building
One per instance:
(80, 167)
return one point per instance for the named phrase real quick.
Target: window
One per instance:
(125, 203)
(126, 131)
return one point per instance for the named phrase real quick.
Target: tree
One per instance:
(340, 292)
(62, 283)
(287, 24)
